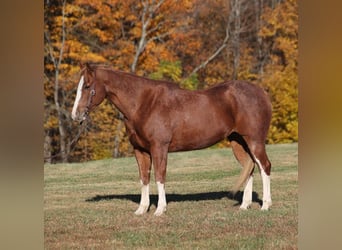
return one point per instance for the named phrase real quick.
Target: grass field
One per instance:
(91, 205)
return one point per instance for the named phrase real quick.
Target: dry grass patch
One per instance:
(91, 205)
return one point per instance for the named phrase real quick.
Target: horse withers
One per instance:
(161, 117)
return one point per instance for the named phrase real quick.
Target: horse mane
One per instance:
(107, 67)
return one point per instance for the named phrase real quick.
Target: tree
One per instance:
(60, 50)
(280, 33)
(193, 43)
(56, 55)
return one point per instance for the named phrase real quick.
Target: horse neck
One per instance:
(125, 92)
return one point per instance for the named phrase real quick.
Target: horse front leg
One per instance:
(159, 158)
(144, 163)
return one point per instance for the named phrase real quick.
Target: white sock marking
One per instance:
(145, 199)
(161, 199)
(247, 194)
(266, 199)
(145, 195)
(78, 98)
(266, 187)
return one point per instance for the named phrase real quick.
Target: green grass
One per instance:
(91, 205)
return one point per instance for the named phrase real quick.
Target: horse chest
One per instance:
(135, 139)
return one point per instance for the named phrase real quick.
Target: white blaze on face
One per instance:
(78, 98)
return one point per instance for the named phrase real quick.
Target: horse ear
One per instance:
(81, 65)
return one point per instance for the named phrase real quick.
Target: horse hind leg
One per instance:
(241, 154)
(260, 157)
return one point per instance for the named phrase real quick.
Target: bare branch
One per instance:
(63, 35)
(64, 145)
(215, 54)
(146, 19)
(159, 37)
(157, 6)
(49, 48)
(151, 30)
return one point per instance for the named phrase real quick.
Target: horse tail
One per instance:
(244, 175)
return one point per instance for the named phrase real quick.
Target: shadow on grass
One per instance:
(179, 197)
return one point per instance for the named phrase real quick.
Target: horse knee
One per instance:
(267, 167)
(261, 159)
(145, 176)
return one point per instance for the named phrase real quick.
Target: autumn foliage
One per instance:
(194, 43)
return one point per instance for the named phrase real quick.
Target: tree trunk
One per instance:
(61, 128)
(259, 5)
(235, 11)
(64, 147)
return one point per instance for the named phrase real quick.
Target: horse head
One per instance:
(90, 93)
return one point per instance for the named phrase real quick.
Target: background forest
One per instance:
(195, 43)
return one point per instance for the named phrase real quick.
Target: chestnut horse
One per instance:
(160, 117)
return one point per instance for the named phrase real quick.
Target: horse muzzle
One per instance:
(79, 117)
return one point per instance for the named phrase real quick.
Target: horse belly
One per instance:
(192, 145)
(192, 135)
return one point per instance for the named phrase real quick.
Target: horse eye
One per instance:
(86, 86)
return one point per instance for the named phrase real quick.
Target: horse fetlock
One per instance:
(245, 205)
(160, 210)
(141, 210)
(266, 205)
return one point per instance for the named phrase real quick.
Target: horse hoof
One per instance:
(245, 205)
(141, 210)
(159, 211)
(243, 208)
(266, 206)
